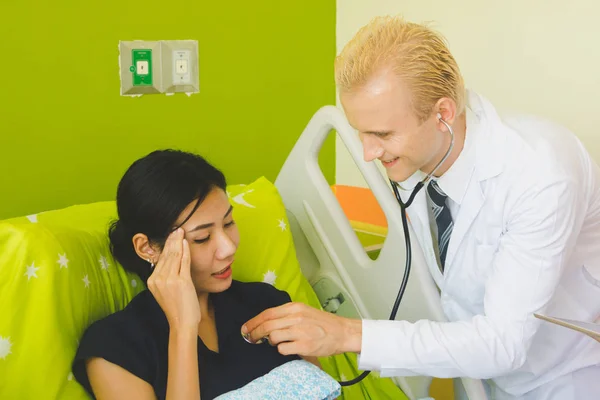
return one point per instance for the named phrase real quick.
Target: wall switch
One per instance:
(140, 67)
(180, 66)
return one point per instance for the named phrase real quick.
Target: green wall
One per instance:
(67, 136)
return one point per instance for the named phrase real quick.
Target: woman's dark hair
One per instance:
(152, 195)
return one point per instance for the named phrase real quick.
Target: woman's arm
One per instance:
(111, 382)
(172, 287)
(183, 379)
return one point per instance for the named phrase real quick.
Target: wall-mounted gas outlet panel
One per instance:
(180, 66)
(140, 65)
(152, 67)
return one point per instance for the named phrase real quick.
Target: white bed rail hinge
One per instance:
(333, 303)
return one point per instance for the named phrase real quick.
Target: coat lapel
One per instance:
(469, 209)
(489, 158)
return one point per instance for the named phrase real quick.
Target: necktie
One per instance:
(443, 219)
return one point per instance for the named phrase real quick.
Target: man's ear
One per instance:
(144, 248)
(446, 108)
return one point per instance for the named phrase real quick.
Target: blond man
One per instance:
(509, 226)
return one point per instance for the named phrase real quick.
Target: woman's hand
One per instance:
(172, 287)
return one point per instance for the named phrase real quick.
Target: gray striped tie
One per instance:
(443, 219)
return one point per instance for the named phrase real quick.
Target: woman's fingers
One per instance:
(175, 293)
(175, 254)
(170, 256)
(185, 260)
(159, 267)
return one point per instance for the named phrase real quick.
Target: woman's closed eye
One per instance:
(206, 239)
(203, 240)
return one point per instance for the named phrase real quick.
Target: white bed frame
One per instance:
(333, 259)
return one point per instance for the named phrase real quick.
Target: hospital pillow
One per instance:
(294, 380)
(57, 276)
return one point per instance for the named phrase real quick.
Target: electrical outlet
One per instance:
(180, 66)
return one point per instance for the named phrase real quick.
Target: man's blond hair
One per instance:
(417, 55)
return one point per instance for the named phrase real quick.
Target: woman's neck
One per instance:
(205, 306)
(207, 328)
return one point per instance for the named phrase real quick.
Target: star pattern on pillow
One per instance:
(270, 277)
(282, 225)
(5, 347)
(239, 199)
(63, 261)
(31, 271)
(104, 264)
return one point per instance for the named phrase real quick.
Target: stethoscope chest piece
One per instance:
(260, 341)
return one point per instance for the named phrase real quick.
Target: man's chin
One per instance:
(398, 176)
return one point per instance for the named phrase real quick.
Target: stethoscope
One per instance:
(407, 241)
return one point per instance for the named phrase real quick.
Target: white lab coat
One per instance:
(526, 239)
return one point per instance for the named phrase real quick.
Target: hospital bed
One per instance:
(346, 280)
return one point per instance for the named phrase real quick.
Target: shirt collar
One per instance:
(456, 180)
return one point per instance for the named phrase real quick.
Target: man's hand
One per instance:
(296, 328)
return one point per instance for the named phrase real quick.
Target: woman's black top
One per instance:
(137, 339)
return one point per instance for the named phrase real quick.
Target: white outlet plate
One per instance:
(140, 65)
(180, 66)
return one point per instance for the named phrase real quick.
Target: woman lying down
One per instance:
(181, 338)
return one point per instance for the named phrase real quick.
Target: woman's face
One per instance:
(213, 238)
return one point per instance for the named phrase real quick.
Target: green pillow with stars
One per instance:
(57, 277)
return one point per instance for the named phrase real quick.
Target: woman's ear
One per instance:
(144, 248)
